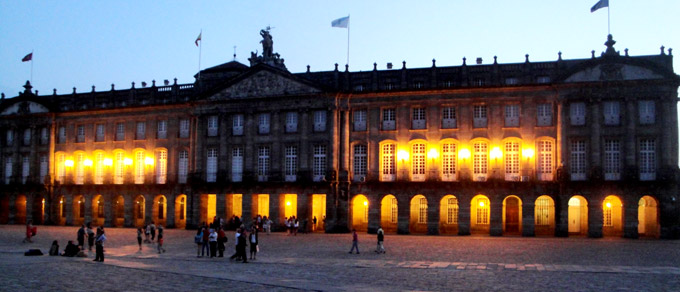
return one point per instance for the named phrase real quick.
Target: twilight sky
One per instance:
(85, 43)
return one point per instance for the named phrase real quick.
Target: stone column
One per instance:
(108, 209)
(630, 217)
(128, 206)
(88, 207)
(595, 218)
(247, 207)
(221, 201)
(403, 213)
(148, 208)
(433, 217)
(29, 207)
(562, 215)
(373, 213)
(68, 200)
(464, 214)
(496, 216)
(528, 217)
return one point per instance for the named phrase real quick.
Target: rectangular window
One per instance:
(237, 164)
(61, 135)
(422, 211)
(511, 81)
(8, 169)
(290, 163)
(237, 125)
(100, 131)
(449, 118)
(319, 121)
(577, 113)
(10, 137)
(79, 168)
(319, 163)
(388, 165)
(183, 166)
(263, 123)
(139, 167)
(418, 120)
(647, 159)
(44, 168)
(542, 211)
(452, 211)
(213, 126)
(512, 115)
(511, 156)
(482, 207)
(389, 117)
(119, 167)
(480, 161)
(360, 162)
(184, 128)
(612, 113)
(607, 214)
(44, 136)
(27, 137)
(359, 118)
(120, 132)
(545, 160)
(449, 158)
(140, 134)
(479, 119)
(211, 165)
(291, 122)
(263, 153)
(99, 168)
(612, 160)
(161, 166)
(162, 129)
(80, 134)
(25, 169)
(544, 115)
(418, 162)
(60, 167)
(578, 160)
(647, 112)
(394, 210)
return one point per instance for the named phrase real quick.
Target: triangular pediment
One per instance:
(24, 108)
(265, 83)
(613, 71)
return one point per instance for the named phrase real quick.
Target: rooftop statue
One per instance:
(268, 56)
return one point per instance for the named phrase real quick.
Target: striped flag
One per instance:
(341, 22)
(599, 4)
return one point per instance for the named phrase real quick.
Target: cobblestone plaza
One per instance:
(321, 262)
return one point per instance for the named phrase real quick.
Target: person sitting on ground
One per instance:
(71, 249)
(54, 249)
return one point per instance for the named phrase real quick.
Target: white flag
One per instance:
(341, 22)
(599, 4)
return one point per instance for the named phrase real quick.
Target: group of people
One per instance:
(292, 225)
(211, 241)
(380, 247)
(263, 223)
(150, 230)
(85, 231)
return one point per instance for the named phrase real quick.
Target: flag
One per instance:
(28, 57)
(198, 38)
(341, 22)
(599, 4)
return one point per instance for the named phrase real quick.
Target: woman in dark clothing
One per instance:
(71, 249)
(90, 236)
(54, 249)
(252, 238)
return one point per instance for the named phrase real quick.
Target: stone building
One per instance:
(558, 148)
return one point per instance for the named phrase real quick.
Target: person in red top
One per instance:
(30, 231)
(355, 241)
(221, 239)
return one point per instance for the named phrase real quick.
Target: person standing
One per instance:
(99, 245)
(381, 238)
(153, 231)
(81, 237)
(236, 252)
(160, 239)
(139, 237)
(147, 233)
(241, 246)
(296, 225)
(314, 224)
(221, 239)
(355, 241)
(253, 243)
(90, 236)
(29, 231)
(198, 240)
(212, 238)
(206, 242)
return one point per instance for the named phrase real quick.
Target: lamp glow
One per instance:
(528, 153)
(148, 161)
(433, 153)
(481, 203)
(287, 203)
(496, 153)
(365, 203)
(87, 162)
(608, 204)
(464, 153)
(108, 161)
(68, 163)
(127, 161)
(402, 155)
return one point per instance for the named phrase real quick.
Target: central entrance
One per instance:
(512, 206)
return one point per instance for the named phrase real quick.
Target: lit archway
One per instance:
(289, 205)
(360, 213)
(389, 211)
(20, 209)
(180, 211)
(448, 215)
(480, 211)
(578, 215)
(544, 216)
(139, 210)
(612, 216)
(260, 206)
(208, 208)
(119, 211)
(61, 210)
(159, 211)
(38, 210)
(648, 217)
(418, 218)
(78, 210)
(234, 205)
(512, 215)
(98, 210)
(318, 212)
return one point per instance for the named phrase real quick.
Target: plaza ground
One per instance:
(321, 262)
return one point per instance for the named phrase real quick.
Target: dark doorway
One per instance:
(512, 215)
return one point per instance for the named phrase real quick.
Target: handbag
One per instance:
(198, 239)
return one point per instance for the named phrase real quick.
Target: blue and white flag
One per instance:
(341, 22)
(599, 4)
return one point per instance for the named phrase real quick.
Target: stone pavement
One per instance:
(321, 262)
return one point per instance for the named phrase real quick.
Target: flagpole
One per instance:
(348, 25)
(31, 66)
(608, 25)
(200, 48)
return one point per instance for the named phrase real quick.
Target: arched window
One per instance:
(118, 167)
(480, 160)
(511, 160)
(360, 162)
(79, 168)
(388, 166)
(545, 160)
(482, 210)
(418, 162)
(161, 166)
(449, 151)
(99, 167)
(139, 167)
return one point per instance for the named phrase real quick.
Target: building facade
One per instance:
(559, 148)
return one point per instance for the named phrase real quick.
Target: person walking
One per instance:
(30, 231)
(241, 246)
(153, 231)
(236, 251)
(314, 224)
(253, 243)
(139, 237)
(381, 238)
(147, 233)
(81, 237)
(90, 236)
(221, 240)
(198, 240)
(99, 245)
(212, 238)
(355, 241)
(160, 239)
(206, 242)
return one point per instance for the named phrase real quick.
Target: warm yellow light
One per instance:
(87, 162)
(402, 155)
(365, 203)
(608, 204)
(127, 161)
(496, 153)
(108, 161)
(287, 203)
(464, 153)
(433, 153)
(481, 203)
(68, 163)
(61, 201)
(78, 201)
(528, 153)
(148, 161)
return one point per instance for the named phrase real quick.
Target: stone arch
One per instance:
(119, 211)
(418, 215)
(578, 215)
(359, 213)
(612, 216)
(78, 210)
(98, 213)
(139, 211)
(20, 209)
(512, 215)
(389, 213)
(480, 214)
(38, 209)
(648, 217)
(159, 213)
(544, 215)
(448, 218)
(181, 211)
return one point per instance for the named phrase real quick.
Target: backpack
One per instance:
(198, 238)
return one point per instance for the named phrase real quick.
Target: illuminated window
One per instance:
(482, 211)
(418, 162)
(389, 119)
(418, 120)
(359, 117)
(212, 126)
(607, 213)
(422, 210)
(182, 207)
(10, 137)
(162, 129)
(161, 166)
(388, 162)
(99, 168)
(512, 115)
(290, 163)
(60, 167)
(119, 167)
(25, 169)
(452, 211)
(291, 122)
(319, 162)
(237, 164)
(263, 123)
(140, 134)
(542, 211)
(263, 163)
(449, 117)
(211, 165)
(393, 211)
(479, 118)
(646, 111)
(449, 152)
(577, 113)
(544, 115)
(511, 155)
(647, 159)
(612, 113)
(183, 166)
(360, 162)
(120, 132)
(237, 125)
(545, 160)
(184, 128)
(578, 160)
(139, 167)
(480, 160)
(612, 159)
(79, 168)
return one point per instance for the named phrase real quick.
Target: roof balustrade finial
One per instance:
(559, 56)
(464, 60)
(434, 63)
(526, 58)
(626, 51)
(663, 50)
